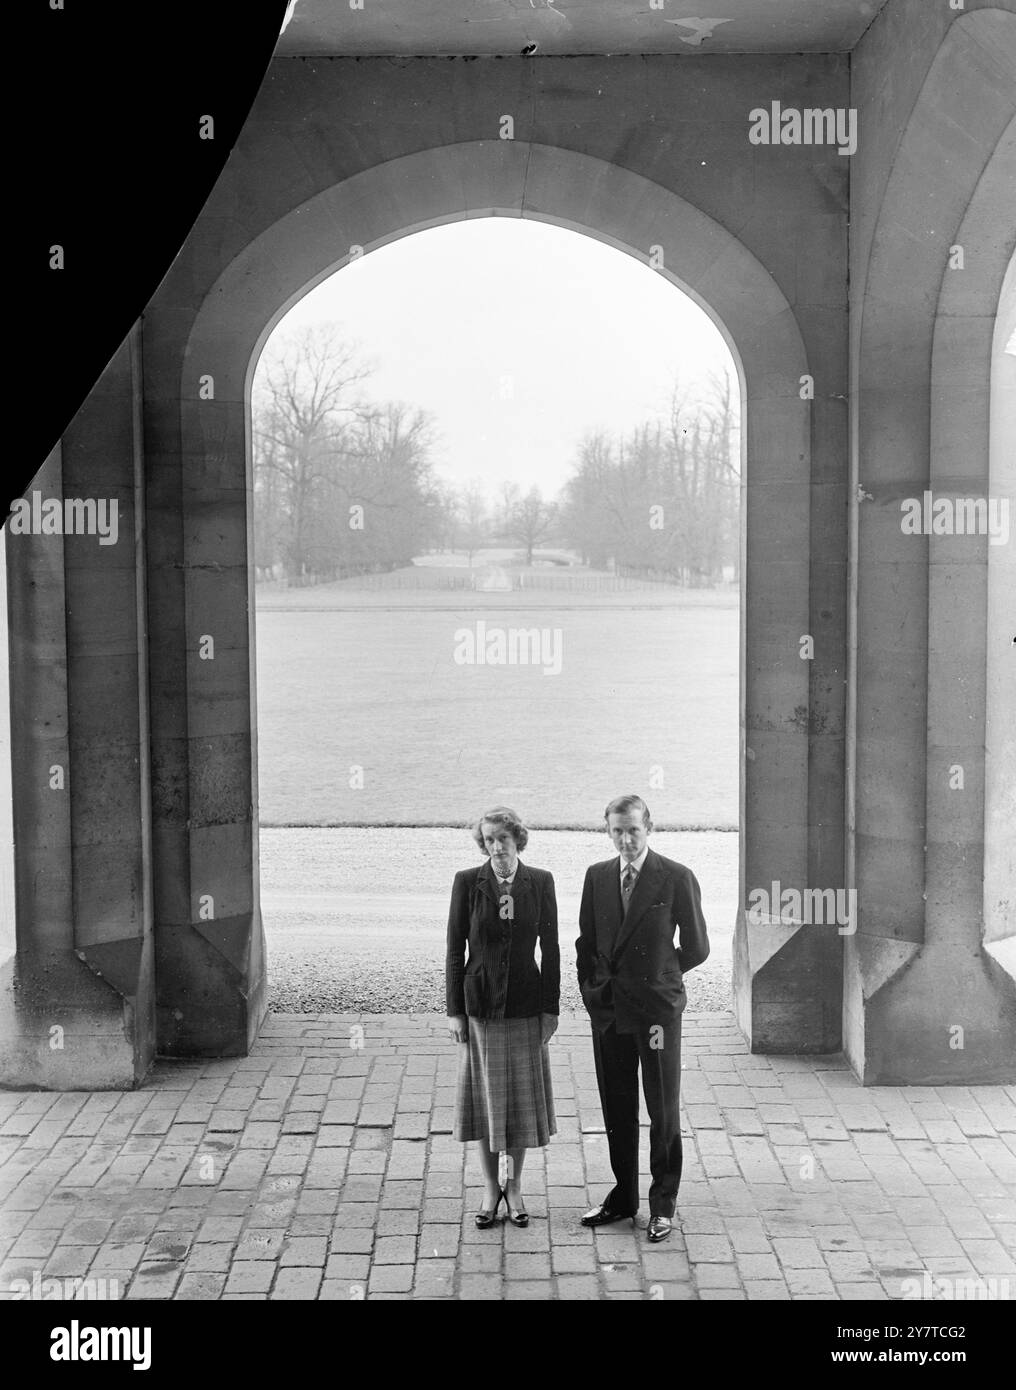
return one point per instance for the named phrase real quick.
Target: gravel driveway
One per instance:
(355, 918)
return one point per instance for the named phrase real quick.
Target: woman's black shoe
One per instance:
(519, 1216)
(485, 1219)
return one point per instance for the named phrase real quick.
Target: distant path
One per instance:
(355, 918)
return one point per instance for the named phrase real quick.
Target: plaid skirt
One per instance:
(504, 1091)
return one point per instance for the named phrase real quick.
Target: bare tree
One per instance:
(388, 472)
(662, 502)
(531, 521)
(508, 495)
(304, 404)
(472, 530)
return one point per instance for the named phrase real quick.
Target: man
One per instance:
(630, 975)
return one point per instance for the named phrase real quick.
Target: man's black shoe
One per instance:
(603, 1216)
(660, 1228)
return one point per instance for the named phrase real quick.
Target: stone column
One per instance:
(1000, 725)
(210, 940)
(77, 1000)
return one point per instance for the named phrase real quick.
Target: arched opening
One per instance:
(788, 978)
(582, 514)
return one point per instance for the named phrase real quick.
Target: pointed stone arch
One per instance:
(788, 979)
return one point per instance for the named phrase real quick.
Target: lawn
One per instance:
(646, 700)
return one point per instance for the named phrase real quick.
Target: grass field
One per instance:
(647, 693)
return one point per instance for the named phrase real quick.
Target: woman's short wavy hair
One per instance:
(508, 820)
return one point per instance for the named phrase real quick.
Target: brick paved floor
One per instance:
(322, 1166)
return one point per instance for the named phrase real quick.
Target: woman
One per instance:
(502, 1006)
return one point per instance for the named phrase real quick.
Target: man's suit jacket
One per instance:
(630, 970)
(501, 978)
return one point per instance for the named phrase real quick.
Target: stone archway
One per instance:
(136, 879)
(788, 978)
(923, 1001)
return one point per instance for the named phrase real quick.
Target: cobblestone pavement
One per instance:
(322, 1166)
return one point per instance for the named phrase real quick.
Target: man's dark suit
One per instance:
(631, 979)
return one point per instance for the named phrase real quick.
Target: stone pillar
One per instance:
(1000, 725)
(788, 968)
(210, 963)
(77, 1000)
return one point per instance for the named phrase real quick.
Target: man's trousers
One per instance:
(618, 1059)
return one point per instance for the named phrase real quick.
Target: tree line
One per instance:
(341, 485)
(663, 502)
(344, 485)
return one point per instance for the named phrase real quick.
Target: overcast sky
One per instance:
(518, 337)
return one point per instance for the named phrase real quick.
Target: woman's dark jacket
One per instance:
(500, 978)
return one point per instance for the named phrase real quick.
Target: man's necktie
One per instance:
(627, 886)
